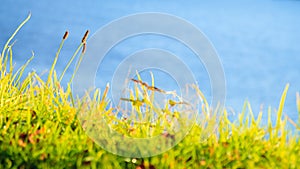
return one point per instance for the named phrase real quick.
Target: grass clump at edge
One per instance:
(39, 129)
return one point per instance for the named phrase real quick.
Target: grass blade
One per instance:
(13, 35)
(280, 108)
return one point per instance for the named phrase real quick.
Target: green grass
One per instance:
(39, 128)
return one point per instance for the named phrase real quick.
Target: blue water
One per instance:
(258, 42)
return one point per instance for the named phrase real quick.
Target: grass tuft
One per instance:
(39, 126)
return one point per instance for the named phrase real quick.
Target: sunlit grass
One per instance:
(39, 127)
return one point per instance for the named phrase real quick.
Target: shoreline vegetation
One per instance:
(39, 128)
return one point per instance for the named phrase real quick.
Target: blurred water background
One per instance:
(258, 42)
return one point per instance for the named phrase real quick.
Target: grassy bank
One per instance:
(39, 128)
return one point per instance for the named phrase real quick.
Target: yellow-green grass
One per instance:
(39, 129)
